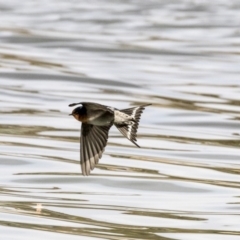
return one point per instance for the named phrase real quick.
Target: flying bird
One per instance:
(96, 121)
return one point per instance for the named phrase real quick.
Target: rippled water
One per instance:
(181, 56)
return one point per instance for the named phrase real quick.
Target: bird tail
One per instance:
(130, 130)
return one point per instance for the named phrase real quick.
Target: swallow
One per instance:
(96, 122)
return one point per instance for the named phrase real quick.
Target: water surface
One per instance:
(183, 57)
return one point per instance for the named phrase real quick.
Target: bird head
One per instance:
(79, 113)
(76, 112)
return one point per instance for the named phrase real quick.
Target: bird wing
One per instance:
(93, 141)
(130, 130)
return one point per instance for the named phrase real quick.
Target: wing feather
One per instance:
(93, 141)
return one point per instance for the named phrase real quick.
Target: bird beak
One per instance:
(70, 114)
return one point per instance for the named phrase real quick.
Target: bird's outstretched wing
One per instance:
(93, 141)
(130, 131)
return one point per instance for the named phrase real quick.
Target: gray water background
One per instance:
(181, 56)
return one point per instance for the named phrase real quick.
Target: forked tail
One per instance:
(130, 130)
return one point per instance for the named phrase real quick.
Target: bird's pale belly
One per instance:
(121, 117)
